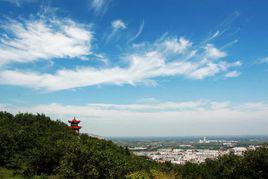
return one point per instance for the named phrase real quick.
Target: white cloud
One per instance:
(139, 70)
(210, 69)
(174, 118)
(263, 60)
(144, 63)
(213, 52)
(99, 6)
(27, 41)
(31, 40)
(177, 45)
(118, 24)
(232, 74)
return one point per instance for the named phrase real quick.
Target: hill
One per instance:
(36, 145)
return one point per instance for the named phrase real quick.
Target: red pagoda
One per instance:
(74, 124)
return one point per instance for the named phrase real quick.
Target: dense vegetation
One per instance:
(254, 164)
(34, 145)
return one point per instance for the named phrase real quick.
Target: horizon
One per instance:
(165, 68)
(207, 136)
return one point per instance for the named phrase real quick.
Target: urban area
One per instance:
(196, 151)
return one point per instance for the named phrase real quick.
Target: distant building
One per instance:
(228, 144)
(204, 141)
(185, 145)
(137, 148)
(238, 150)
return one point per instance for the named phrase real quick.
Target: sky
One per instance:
(138, 68)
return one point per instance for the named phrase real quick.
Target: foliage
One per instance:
(156, 174)
(253, 164)
(35, 145)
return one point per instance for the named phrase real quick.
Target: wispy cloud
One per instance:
(224, 29)
(138, 33)
(99, 6)
(116, 26)
(213, 52)
(232, 74)
(25, 41)
(262, 60)
(177, 45)
(19, 2)
(144, 63)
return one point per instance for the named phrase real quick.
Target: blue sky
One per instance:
(138, 68)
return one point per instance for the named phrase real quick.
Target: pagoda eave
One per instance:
(74, 121)
(76, 127)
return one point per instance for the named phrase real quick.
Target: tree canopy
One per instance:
(35, 145)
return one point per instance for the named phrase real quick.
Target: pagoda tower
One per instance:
(74, 124)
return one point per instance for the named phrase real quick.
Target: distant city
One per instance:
(179, 150)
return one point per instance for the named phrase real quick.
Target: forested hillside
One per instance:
(35, 145)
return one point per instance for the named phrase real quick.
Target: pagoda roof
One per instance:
(75, 127)
(74, 121)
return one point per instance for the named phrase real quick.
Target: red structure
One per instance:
(74, 124)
